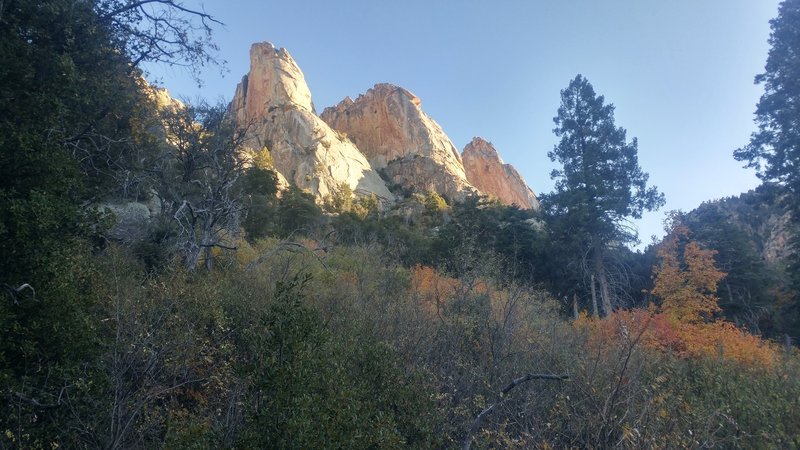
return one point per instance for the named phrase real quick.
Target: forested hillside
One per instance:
(165, 286)
(751, 234)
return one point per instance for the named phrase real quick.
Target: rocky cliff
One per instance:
(383, 129)
(758, 214)
(486, 171)
(273, 101)
(388, 125)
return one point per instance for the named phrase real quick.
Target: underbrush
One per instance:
(293, 346)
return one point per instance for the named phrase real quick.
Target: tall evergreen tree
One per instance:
(774, 150)
(600, 186)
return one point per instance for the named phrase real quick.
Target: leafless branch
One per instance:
(171, 3)
(16, 291)
(285, 246)
(162, 31)
(35, 402)
(476, 425)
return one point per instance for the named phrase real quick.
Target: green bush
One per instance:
(297, 212)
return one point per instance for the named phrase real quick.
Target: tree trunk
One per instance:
(605, 294)
(208, 243)
(193, 252)
(594, 298)
(575, 306)
(209, 258)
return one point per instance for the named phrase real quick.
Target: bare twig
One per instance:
(476, 425)
(286, 246)
(15, 291)
(35, 402)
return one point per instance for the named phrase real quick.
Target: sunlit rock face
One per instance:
(388, 125)
(274, 79)
(274, 103)
(486, 171)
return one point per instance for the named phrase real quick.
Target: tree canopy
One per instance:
(774, 150)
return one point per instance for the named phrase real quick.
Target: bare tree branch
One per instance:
(286, 246)
(162, 31)
(476, 425)
(171, 3)
(15, 291)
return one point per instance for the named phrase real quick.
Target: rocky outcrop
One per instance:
(487, 172)
(130, 219)
(273, 101)
(388, 125)
(758, 214)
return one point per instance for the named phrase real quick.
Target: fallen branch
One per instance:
(532, 376)
(36, 403)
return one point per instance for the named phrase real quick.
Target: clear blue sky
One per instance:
(680, 73)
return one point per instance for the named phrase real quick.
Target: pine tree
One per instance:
(774, 150)
(600, 185)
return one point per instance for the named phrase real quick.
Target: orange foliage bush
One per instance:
(686, 283)
(725, 340)
(431, 289)
(661, 332)
(620, 327)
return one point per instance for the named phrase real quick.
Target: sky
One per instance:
(680, 73)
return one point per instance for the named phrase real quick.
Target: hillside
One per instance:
(751, 235)
(759, 214)
(250, 274)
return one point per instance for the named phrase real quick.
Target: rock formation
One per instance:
(273, 101)
(757, 213)
(390, 128)
(487, 172)
(384, 129)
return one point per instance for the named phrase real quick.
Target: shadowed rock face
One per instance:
(487, 172)
(273, 101)
(390, 128)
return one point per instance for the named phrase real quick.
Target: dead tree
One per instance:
(200, 180)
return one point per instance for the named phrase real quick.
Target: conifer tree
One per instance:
(600, 186)
(774, 150)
